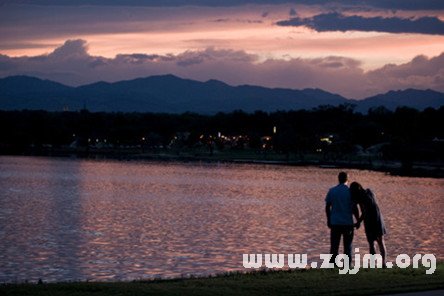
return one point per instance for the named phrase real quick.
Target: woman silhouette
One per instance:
(371, 215)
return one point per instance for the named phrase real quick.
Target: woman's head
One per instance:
(356, 191)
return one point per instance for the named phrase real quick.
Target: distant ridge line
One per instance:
(172, 94)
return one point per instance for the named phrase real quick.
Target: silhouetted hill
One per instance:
(172, 94)
(24, 92)
(413, 98)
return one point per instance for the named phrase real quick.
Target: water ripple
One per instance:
(64, 220)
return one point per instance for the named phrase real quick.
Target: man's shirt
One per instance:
(341, 205)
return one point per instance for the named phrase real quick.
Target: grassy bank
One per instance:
(296, 282)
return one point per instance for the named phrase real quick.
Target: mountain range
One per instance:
(171, 94)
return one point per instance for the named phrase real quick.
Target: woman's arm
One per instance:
(359, 219)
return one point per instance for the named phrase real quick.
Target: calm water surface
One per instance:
(63, 220)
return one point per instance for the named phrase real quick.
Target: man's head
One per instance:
(342, 177)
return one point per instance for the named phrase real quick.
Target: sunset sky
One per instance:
(353, 48)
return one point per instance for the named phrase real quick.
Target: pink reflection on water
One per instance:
(77, 220)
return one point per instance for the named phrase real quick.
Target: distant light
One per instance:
(219, 134)
(274, 129)
(143, 138)
(326, 140)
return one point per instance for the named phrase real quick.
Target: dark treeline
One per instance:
(405, 134)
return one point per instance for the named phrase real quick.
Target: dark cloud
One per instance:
(243, 21)
(6, 63)
(26, 45)
(72, 49)
(338, 22)
(73, 65)
(386, 4)
(336, 62)
(189, 58)
(24, 25)
(417, 73)
(221, 20)
(292, 12)
(97, 63)
(403, 4)
(136, 58)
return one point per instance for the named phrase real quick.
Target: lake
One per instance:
(70, 219)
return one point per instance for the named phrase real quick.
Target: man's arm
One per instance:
(328, 213)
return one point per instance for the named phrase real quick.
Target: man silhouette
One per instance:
(340, 210)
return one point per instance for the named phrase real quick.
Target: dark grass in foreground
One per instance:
(296, 282)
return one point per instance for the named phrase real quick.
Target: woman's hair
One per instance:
(356, 191)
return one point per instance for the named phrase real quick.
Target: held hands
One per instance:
(357, 225)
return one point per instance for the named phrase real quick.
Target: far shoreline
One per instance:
(395, 168)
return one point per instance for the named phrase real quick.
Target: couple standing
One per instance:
(341, 205)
